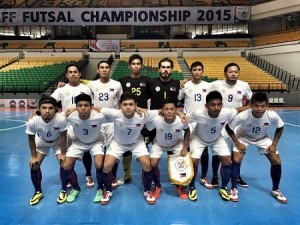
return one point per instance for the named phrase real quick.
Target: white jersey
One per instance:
(68, 93)
(208, 129)
(87, 131)
(194, 95)
(232, 94)
(50, 131)
(253, 129)
(106, 95)
(167, 134)
(127, 131)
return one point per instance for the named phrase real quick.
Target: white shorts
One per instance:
(44, 147)
(261, 144)
(157, 151)
(77, 149)
(117, 150)
(218, 147)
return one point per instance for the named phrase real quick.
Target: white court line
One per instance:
(293, 125)
(11, 128)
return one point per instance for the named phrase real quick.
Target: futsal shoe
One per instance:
(36, 198)
(73, 195)
(181, 192)
(279, 196)
(89, 181)
(106, 197)
(241, 182)
(114, 183)
(215, 181)
(193, 194)
(206, 183)
(149, 197)
(224, 194)
(124, 180)
(234, 195)
(156, 192)
(62, 197)
(98, 196)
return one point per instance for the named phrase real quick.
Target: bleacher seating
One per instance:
(278, 37)
(32, 75)
(257, 78)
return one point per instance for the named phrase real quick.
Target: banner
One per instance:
(18, 103)
(122, 16)
(105, 45)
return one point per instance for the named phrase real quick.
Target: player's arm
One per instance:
(186, 141)
(33, 160)
(245, 107)
(182, 116)
(273, 147)
(241, 147)
(141, 111)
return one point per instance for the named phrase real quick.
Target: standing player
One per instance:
(207, 133)
(86, 124)
(194, 94)
(107, 93)
(127, 137)
(168, 138)
(233, 91)
(46, 130)
(67, 96)
(251, 127)
(138, 85)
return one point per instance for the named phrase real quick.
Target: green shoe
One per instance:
(62, 197)
(224, 194)
(98, 196)
(73, 195)
(36, 198)
(193, 194)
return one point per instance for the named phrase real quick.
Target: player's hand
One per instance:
(184, 151)
(242, 148)
(33, 114)
(60, 84)
(69, 111)
(34, 164)
(183, 82)
(141, 111)
(271, 150)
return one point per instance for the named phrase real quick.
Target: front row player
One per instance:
(127, 137)
(46, 130)
(168, 138)
(251, 127)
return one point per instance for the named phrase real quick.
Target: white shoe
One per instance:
(106, 197)
(149, 197)
(234, 195)
(89, 181)
(279, 196)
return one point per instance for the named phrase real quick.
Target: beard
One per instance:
(165, 75)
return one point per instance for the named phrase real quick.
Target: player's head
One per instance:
(169, 108)
(103, 69)
(47, 108)
(231, 72)
(197, 70)
(165, 67)
(83, 105)
(128, 104)
(135, 64)
(259, 103)
(214, 103)
(73, 74)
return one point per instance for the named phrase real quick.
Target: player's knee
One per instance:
(275, 160)
(225, 160)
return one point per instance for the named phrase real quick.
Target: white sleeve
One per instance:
(248, 92)
(234, 122)
(181, 94)
(150, 125)
(151, 115)
(192, 116)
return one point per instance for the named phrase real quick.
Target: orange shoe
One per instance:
(156, 192)
(182, 193)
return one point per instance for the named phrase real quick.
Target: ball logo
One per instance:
(180, 165)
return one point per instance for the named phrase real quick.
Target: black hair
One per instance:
(103, 61)
(47, 99)
(70, 65)
(166, 60)
(127, 96)
(195, 64)
(213, 95)
(135, 56)
(169, 100)
(230, 65)
(83, 97)
(259, 97)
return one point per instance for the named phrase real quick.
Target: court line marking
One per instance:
(293, 125)
(11, 128)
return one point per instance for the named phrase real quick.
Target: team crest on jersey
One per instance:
(97, 89)
(161, 129)
(39, 130)
(190, 90)
(157, 89)
(128, 84)
(67, 93)
(121, 124)
(76, 124)
(250, 125)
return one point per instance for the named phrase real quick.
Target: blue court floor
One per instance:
(256, 205)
